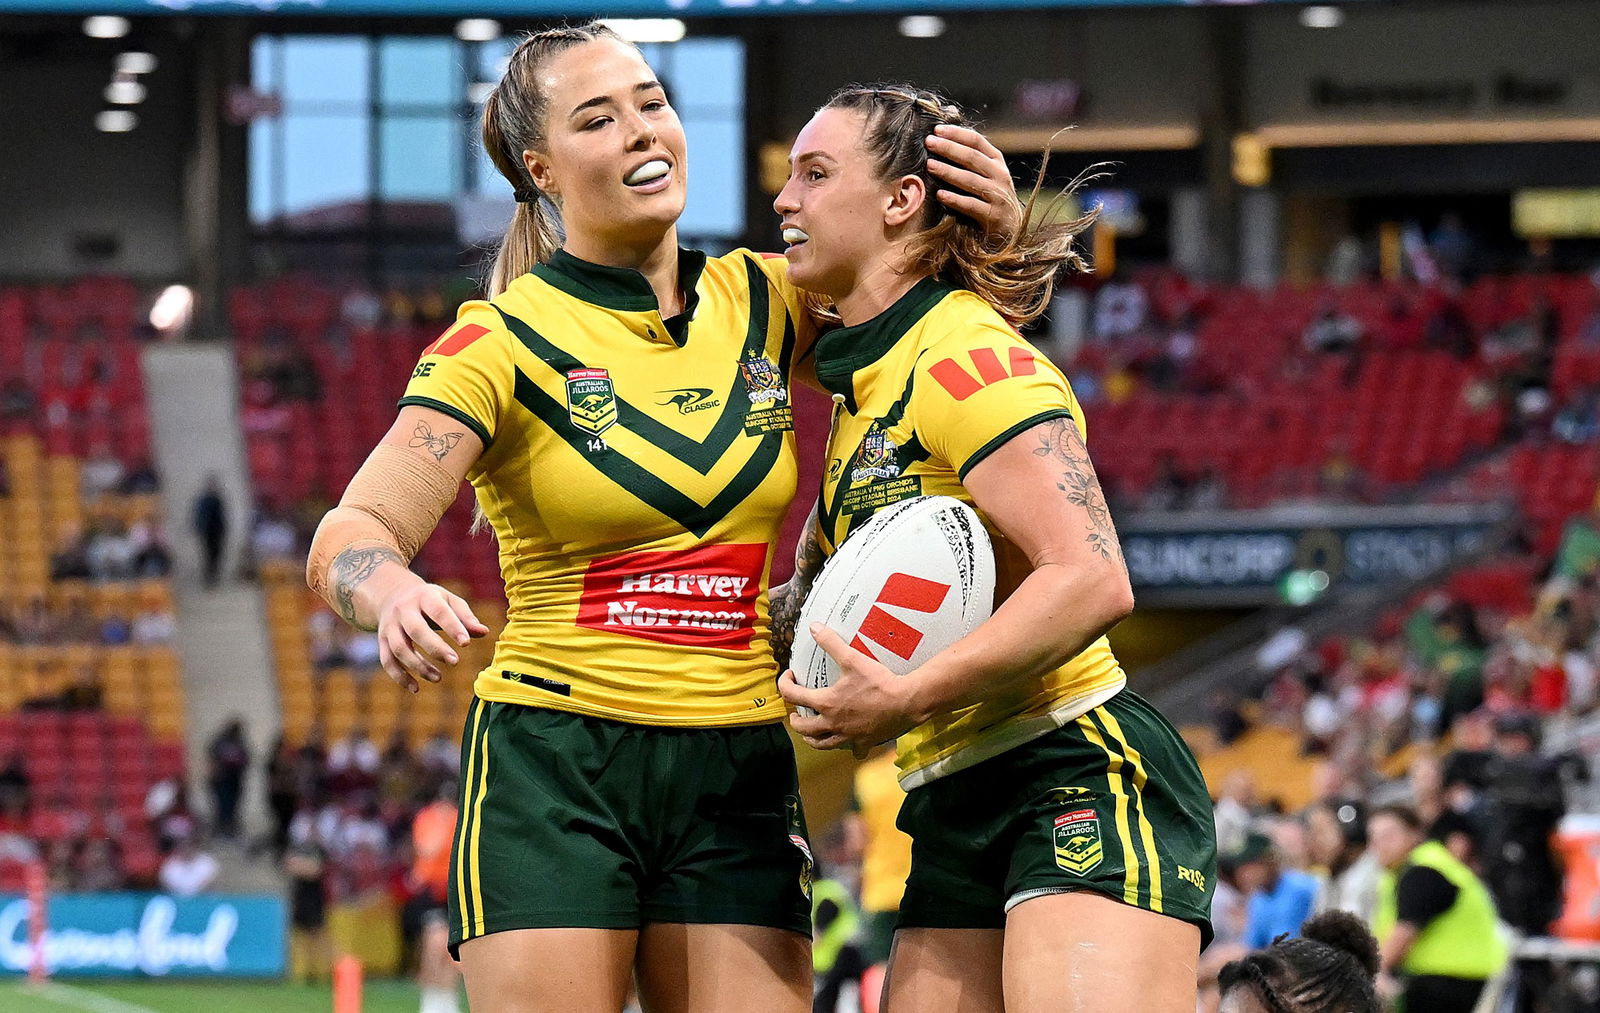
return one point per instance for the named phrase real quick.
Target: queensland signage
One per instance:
(1245, 557)
(149, 934)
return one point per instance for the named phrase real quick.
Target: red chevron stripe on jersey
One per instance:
(454, 341)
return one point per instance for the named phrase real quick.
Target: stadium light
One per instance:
(1321, 16)
(477, 29)
(115, 121)
(124, 93)
(135, 63)
(922, 26)
(106, 26)
(173, 308)
(642, 30)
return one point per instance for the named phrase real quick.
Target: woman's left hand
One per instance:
(865, 706)
(975, 170)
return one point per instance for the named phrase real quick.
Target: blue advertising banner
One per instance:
(150, 934)
(555, 8)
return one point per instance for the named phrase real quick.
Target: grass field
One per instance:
(93, 996)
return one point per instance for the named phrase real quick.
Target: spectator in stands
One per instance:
(110, 551)
(84, 692)
(310, 958)
(188, 871)
(1436, 807)
(354, 760)
(150, 556)
(71, 558)
(1170, 488)
(116, 630)
(1437, 934)
(440, 755)
(273, 537)
(1332, 332)
(99, 869)
(166, 806)
(16, 788)
(154, 626)
(1578, 422)
(1236, 809)
(100, 473)
(1210, 491)
(283, 792)
(210, 524)
(17, 401)
(1330, 970)
(1279, 899)
(1453, 247)
(1119, 308)
(141, 479)
(326, 642)
(229, 758)
(1336, 834)
(1523, 802)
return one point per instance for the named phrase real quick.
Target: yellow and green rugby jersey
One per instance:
(636, 473)
(932, 386)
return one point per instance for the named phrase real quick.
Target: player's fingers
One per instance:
(411, 661)
(426, 643)
(811, 726)
(442, 616)
(971, 182)
(972, 207)
(824, 742)
(969, 137)
(475, 626)
(392, 668)
(831, 643)
(797, 695)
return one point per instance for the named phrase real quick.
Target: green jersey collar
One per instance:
(844, 350)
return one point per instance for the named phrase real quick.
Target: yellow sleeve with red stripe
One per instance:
(981, 386)
(467, 373)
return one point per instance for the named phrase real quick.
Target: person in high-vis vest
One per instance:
(835, 918)
(1438, 934)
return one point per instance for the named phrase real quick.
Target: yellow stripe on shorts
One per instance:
(461, 829)
(477, 834)
(1147, 832)
(1130, 859)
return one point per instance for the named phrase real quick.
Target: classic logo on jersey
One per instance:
(763, 380)
(1077, 838)
(591, 402)
(705, 597)
(689, 399)
(875, 457)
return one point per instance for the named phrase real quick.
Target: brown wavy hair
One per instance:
(1015, 273)
(514, 121)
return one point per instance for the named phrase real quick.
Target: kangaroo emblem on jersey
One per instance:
(1077, 839)
(591, 402)
(875, 456)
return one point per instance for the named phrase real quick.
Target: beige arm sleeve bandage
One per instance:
(396, 499)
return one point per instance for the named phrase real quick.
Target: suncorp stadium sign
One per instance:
(145, 934)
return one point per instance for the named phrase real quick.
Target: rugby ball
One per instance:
(904, 586)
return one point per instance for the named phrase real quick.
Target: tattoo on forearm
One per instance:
(787, 600)
(437, 445)
(1060, 439)
(351, 568)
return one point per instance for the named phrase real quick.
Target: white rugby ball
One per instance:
(910, 582)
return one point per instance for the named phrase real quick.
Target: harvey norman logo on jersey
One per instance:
(705, 597)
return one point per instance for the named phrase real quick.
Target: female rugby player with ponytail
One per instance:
(1063, 852)
(620, 406)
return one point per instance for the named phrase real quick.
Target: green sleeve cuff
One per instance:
(984, 451)
(452, 411)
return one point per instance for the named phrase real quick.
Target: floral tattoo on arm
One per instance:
(438, 445)
(351, 569)
(1059, 439)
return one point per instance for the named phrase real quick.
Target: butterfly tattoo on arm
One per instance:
(439, 445)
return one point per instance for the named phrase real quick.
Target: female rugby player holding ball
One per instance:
(1063, 851)
(629, 804)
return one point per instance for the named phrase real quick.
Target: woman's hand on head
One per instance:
(420, 627)
(980, 184)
